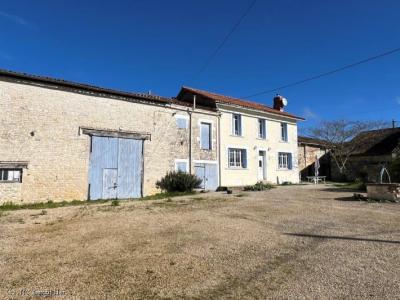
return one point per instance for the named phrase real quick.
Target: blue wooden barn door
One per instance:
(199, 171)
(211, 171)
(129, 168)
(208, 173)
(115, 168)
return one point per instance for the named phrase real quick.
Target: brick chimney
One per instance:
(279, 102)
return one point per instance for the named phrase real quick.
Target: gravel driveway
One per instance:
(293, 242)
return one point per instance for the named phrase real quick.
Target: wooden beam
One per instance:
(115, 133)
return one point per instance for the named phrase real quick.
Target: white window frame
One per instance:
(211, 134)
(13, 175)
(284, 132)
(264, 121)
(240, 121)
(284, 160)
(182, 117)
(186, 161)
(237, 159)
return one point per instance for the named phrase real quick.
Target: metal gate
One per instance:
(115, 169)
(208, 173)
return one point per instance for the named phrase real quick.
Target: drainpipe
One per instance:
(190, 133)
(190, 141)
(219, 148)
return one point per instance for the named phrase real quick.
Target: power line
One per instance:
(352, 65)
(226, 38)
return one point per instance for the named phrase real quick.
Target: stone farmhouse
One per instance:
(62, 140)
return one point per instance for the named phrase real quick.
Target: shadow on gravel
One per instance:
(341, 238)
(341, 190)
(347, 199)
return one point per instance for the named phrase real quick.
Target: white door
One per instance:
(261, 165)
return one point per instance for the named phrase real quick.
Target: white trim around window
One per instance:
(179, 162)
(179, 118)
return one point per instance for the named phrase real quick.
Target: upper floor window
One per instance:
(237, 124)
(205, 136)
(285, 160)
(10, 175)
(262, 132)
(181, 121)
(237, 158)
(284, 132)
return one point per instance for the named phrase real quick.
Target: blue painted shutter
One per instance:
(244, 158)
(290, 162)
(205, 139)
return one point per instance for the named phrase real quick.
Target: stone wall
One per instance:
(307, 157)
(366, 168)
(41, 125)
(10, 192)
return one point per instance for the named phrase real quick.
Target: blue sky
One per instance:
(160, 45)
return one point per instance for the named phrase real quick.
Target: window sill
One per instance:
(285, 142)
(9, 181)
(205, 149)
(284, 169)
(262, 139)
(239, 136)
(236, 168)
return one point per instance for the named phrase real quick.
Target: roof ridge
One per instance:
(53, 80)
(226, 96)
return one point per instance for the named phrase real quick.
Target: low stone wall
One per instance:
(10, 192)
(384, 191)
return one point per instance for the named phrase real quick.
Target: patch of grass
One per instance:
(356, 185)
(8, 206)
(240, 195)
(198, 198)
(115, 203)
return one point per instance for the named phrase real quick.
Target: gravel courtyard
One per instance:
(293, 242)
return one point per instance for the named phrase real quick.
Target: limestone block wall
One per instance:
(41, 125)
(10, 192)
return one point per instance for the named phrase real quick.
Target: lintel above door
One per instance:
(115, 133)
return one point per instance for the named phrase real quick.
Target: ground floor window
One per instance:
(10, 175)
(182, 166)
(237, 158)
(284, 160)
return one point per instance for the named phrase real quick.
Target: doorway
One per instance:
(261, 166)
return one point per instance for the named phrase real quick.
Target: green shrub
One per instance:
(115, 203)
(178, 182)
(259, 186)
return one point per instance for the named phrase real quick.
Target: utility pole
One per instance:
(394, 123)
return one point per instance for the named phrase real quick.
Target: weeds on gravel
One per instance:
(259, 186)
(240, 195)
(115, 203)
(160, 196)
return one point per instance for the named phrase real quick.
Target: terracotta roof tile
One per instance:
(235, 101)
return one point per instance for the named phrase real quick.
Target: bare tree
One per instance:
(344, 137)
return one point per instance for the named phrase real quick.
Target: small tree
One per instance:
(344, 137)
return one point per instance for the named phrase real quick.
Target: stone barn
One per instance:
(62, 140)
